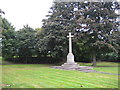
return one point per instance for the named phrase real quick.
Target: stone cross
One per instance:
(70, 42)
(70, 56)
(70, 64)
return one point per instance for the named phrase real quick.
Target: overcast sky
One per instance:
(22, 12)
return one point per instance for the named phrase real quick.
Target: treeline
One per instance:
(93, 24)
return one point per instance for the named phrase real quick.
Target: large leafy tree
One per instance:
(8, 39)
(99, 22)
(1, 12)
(25, 43)
(92, 23)
(52, 38)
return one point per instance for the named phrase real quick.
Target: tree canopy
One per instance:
(8, 39)
(93, 24)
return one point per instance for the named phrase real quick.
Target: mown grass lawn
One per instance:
(41, 76)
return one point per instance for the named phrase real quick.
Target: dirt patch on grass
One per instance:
(4, 85)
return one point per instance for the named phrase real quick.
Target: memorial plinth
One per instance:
(70, 64)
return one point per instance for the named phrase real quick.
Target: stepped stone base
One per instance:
(72, 66)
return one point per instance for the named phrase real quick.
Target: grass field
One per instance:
(41, 76)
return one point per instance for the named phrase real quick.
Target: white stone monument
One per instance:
(70, 64)
(70, 57)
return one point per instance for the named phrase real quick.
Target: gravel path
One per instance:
(87, 71)
(82, 69)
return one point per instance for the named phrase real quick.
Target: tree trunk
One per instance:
(94, 58)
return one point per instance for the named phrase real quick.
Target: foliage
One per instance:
(19, 43)
(25, 42)
(0, 36)
(8, 40)
(93, 25)
(46, 44)
(110, 56)
(1, 12)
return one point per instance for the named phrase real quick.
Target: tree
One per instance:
(25, 43)
(92, 23)
(52, 38)
(1, 12)
(99, 25)
(8, 39)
